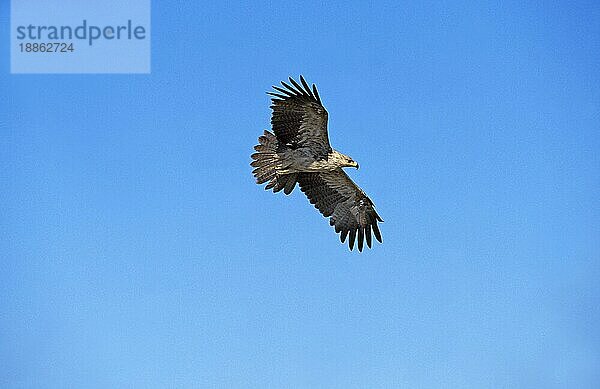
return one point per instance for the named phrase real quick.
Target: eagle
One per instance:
(298, 151)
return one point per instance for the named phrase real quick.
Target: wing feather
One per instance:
(298, 87)
(276, 95)
(288, 93)
(316, 93)
(352, 213)
(352, 238)
(368, 234)
(306, 87)
(299, 120)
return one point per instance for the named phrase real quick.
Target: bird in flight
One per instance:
(298, 151)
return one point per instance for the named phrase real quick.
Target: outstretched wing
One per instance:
(335, 195)
(299, 119)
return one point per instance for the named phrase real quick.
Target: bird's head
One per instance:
(349, 162)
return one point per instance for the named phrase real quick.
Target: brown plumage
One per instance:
(298, 150)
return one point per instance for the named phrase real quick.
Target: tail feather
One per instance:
(266, 161)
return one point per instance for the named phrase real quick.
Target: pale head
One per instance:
(342, 160)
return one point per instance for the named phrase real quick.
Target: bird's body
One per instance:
(299, 152)
(301, 160)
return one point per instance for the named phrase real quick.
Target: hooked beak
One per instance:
(356, 166)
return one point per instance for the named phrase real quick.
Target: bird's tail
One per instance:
(266, 162)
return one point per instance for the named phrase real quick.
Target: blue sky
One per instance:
(136, 250)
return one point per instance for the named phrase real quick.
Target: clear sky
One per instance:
(137, 251)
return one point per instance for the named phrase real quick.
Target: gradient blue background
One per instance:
(136, 250)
